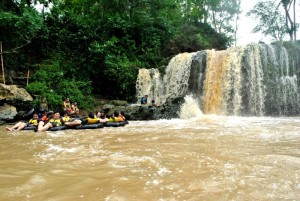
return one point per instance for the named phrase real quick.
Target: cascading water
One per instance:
(173, 85)
(232, 95)
(149, 83)
(254, 88)
(143, 83)
(177, 76)
(282, 94)
(222, 85)
(288, 85)
(213, 82)
(257, 80)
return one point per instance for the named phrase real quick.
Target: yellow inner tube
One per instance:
(93, 121)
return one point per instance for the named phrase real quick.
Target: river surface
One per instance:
(205, 158)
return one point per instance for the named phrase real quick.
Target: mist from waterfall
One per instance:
(256, 80)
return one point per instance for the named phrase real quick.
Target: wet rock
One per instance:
(138, 112)
(7, 112)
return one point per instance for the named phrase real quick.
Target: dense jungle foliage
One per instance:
(79, 48)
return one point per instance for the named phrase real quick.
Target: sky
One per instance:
(246, 24)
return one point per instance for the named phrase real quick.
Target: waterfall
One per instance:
(280, 80)
(223, 82)
(256, 79)
(149, 83)
(177, 76)
(197, 76)
(290, 97)
(213, 82)
(174, 84)
(254, 89)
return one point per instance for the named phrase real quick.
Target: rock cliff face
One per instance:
(9, 93)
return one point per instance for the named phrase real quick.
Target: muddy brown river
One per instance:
(205, 158)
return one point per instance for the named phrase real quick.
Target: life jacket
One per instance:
(55, 122)
(33, 122)
(115, 119)
(67, 104)
(66, 119)
(44, 118)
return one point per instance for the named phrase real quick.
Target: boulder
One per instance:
(138, 112)
(112, 110)
(108, 107)
(7, 112)
(11, 92)
(119, 102)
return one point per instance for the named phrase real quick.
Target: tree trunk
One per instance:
(289, 21)
(3, 74)
(295, 29)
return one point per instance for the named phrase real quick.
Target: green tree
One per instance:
(219, 14)
(271, 21)
(100, 45)
(223, 15)
(49, 82)
(289, 22)
(20, 26)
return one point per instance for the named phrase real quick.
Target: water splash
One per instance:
(190, 108)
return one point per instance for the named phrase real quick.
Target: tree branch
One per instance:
(14, 50)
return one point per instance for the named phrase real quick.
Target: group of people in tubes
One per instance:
(53, 121)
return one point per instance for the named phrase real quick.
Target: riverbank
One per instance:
(133, 111)
(16, 104)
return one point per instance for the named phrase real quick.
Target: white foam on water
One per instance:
(61, 149)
